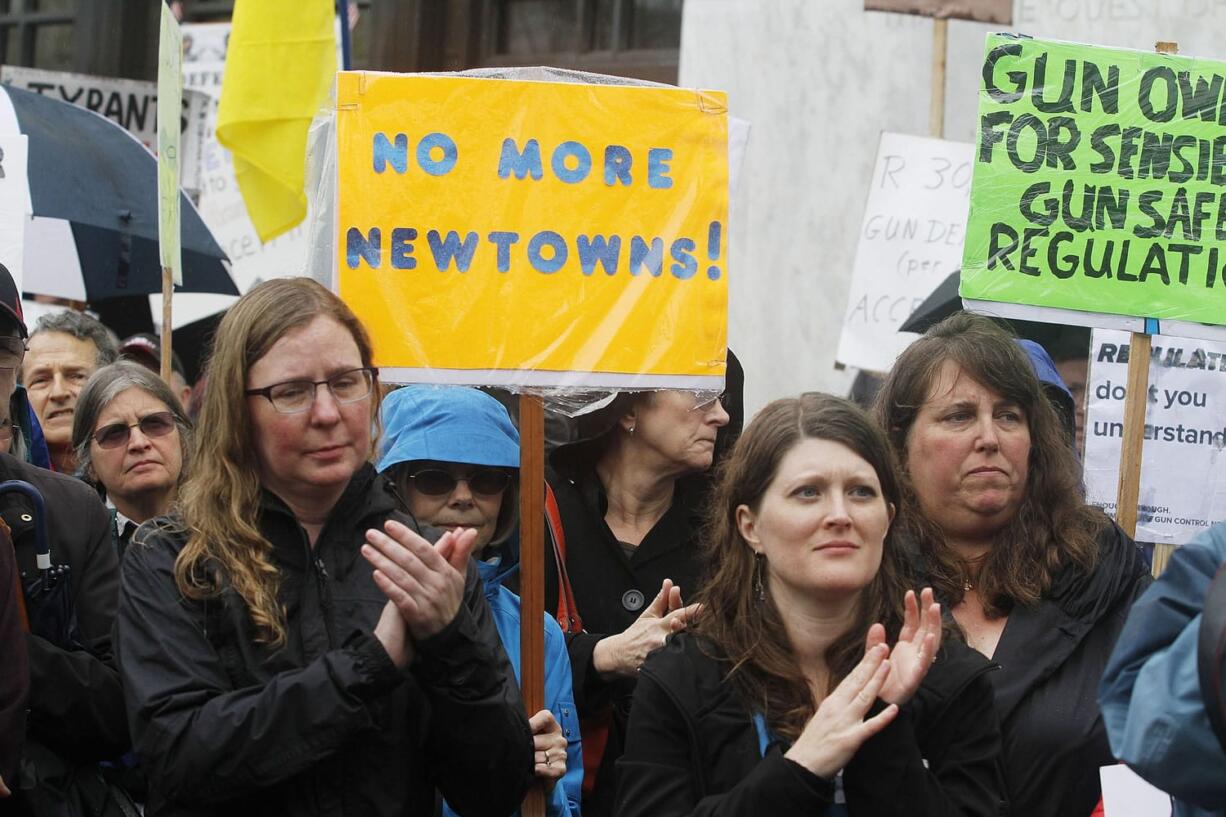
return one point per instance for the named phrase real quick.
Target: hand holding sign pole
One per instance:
(170, 103)
(532, 567)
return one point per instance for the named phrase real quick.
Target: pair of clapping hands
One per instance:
(424, 585)
(839, 728)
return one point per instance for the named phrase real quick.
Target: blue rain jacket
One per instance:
(1150, 694)
(468, 426)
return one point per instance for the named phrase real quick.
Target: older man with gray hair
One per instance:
(64, 349)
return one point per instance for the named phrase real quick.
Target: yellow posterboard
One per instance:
(500, 232)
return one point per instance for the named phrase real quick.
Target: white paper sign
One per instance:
(221, 204)
(1183, 470)
(129, 103)
(1126, 794)
(910, 241)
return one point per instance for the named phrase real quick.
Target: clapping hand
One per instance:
(837, 729)
(915, 649)
(424, 581)
(624, 653)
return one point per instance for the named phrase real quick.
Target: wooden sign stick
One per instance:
(167, 293)
(936, 109)
(532, 569)
(1132, 444)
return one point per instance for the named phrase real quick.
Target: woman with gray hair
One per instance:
(132, 440)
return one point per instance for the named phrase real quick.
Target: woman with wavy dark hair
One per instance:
(1037, 580)
(289, 643)
(785, 696)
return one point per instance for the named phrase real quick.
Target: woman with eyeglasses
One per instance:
(453, 456)
(289, 644)
(630, 493)
(132, 442)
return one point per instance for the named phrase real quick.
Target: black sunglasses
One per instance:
(158, 424)
(437, 482)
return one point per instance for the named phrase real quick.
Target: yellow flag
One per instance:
(280, 66)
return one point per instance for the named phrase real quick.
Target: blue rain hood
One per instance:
(1052, 383)
(447, 424)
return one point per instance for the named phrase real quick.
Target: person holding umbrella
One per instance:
(274, 663)
(76, 711)
(14, 670)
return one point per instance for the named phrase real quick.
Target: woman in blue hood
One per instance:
(453, 455)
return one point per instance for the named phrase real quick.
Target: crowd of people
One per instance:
(300, 596)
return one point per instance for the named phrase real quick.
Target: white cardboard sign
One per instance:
(910, 241)
(1127, 794)
(1183, 470)
(221, 204)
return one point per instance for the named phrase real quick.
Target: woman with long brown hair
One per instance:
(1037, 580)
(265, 664)
(785, 696)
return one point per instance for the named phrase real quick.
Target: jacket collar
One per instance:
(674, 529)
(1038, 640)
(361, 499)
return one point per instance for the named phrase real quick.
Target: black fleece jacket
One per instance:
(1052, 656)
(76, 701)
(327, 725)
(692, 749)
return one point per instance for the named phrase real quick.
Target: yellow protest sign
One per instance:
(533, 233)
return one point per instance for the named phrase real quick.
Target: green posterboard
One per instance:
(170, 107)
(1099, 181)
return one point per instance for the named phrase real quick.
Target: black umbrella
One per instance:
(1059, 340)
(48, 594)
(943, 302)
(193, 342)
(94, 195)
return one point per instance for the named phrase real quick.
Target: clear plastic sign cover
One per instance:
(543, 235)
(1099, 182)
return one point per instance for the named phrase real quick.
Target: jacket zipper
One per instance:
(321, 586)
(325, 598)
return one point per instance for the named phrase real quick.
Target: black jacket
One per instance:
(692, 748)
(327, 725)
(14, 672)
(610, 588)
(611, 591)
(76, 701)
(1052, 656)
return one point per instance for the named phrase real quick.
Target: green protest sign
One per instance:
(1099, 182)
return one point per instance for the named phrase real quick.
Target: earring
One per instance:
(631, 429)
(759, 567)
